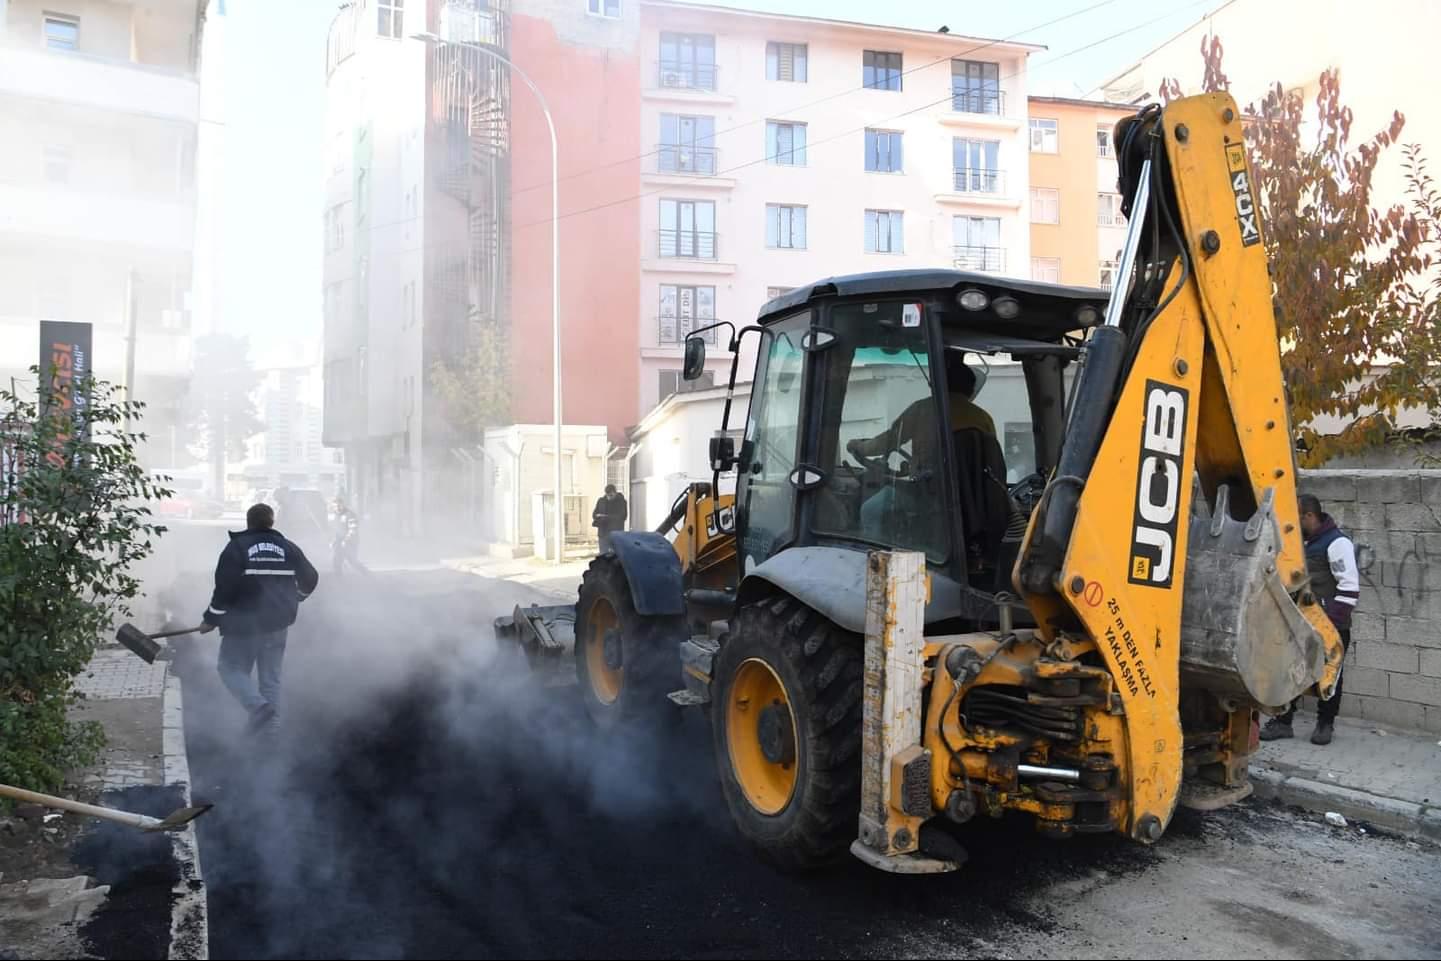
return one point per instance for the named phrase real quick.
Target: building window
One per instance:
(683, 309)
(604, 8)
(330, 302)
(975, 165)
(786, 61)
(687, 229)
(976, 87)
(786, 143)
(1108, 210)
(1045, 205)
(687, 61)
(884, 232)
(407, 305)
(785, 226)
(335, 228)
(62, 32)
(1104, 147)
(978, 244)
(1045, 135)
(883, 151)
(881, 71)
(362, 198)
(773, 292)
(687, 144)
(671, 382)
(392, 16)
(1046, 269)
(1108, 274)
(57, 163)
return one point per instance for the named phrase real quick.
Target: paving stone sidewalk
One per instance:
(1389, 777)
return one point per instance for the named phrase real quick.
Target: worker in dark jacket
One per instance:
(260, 580)
(609, 516)
(1336, 583)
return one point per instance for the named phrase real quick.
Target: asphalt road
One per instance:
(427, 800)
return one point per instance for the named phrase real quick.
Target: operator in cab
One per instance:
(913, 425)
(984, 497)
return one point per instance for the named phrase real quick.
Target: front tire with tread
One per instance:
(650, 650)
(820, 667)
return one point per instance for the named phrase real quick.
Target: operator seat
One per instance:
(986, 506)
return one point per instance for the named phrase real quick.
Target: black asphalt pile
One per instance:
(427, 800)
(140, 868)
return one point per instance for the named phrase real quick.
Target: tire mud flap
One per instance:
(653, 571)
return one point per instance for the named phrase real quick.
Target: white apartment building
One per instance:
(372, 228)
(99, 109)
(290, 451)
(784, 149)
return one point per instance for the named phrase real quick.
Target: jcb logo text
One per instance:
(1158, 485)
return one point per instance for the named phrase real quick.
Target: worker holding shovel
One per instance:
(260, 580)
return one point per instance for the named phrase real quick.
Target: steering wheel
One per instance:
(881, 463)
(1028, 490)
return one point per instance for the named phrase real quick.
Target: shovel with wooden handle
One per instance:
(172, 822)
(144, 644)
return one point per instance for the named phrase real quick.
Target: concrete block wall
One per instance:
(1393, 671)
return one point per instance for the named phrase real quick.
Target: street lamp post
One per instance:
(554, 268)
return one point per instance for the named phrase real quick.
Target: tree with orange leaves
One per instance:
(1357, 320)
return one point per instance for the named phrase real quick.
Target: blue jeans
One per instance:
(239, 654)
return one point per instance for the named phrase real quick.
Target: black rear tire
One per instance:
(649, 648)
(820, 668)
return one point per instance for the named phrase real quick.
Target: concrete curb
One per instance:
(189, 917)
(1406, 817)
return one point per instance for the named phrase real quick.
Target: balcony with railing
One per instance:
(686, 160)
(978, 180)
(469, 21)
(687, 244)
(991, 260)
(672, 331)
(978, 100)
(686, 75)
(979, 187)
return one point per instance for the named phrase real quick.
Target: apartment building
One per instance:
(780, 150)
(1077, 229)
(438, 227)
(373, 225)
(290, 451)
(99, 111)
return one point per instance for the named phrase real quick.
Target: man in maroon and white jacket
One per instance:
(1336, 582)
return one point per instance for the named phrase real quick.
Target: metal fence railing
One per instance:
(987, 259)
(689, 244)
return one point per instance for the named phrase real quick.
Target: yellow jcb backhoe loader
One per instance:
(1075, 513)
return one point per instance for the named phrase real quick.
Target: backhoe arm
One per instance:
(1173, 592)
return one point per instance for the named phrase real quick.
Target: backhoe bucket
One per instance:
(1241, 633)
(545, 634)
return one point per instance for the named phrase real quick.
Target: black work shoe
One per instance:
(1322, 734)
(1277, 730)
(260, 718)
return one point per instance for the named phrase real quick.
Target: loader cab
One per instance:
(913, 410)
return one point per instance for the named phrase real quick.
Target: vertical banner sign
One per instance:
(65, 362)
